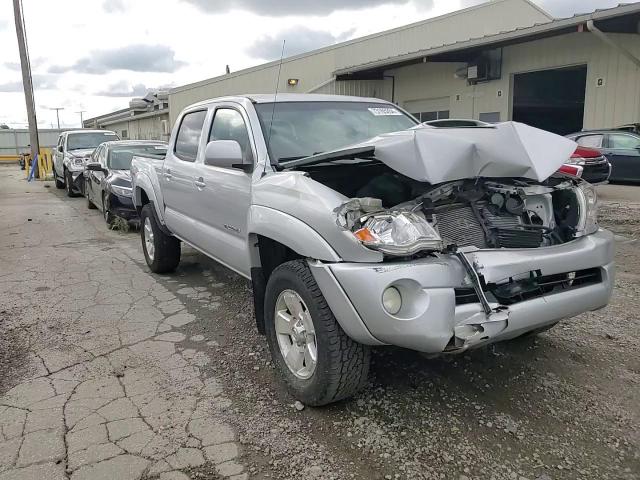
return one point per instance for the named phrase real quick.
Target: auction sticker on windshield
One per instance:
(384, 112)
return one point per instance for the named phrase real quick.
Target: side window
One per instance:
(228, 124)
(623, 142)
(102, 157)
(593, 141)
(189, 134)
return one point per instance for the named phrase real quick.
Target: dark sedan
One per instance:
(622, 149)
(108, 180)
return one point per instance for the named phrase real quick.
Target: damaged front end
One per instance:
(480, 213)
(476, 239)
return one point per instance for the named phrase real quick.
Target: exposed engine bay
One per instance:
(482, 212)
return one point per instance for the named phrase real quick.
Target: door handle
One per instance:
(199, 182)
(167, 174)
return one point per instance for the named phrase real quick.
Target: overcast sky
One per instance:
(95, 55)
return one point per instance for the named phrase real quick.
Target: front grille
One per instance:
(535, 286)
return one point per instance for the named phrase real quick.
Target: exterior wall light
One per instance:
(292, 82)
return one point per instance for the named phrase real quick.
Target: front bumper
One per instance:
(433, 319)
(123, 207)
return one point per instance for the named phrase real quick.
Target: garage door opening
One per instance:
(552, 100)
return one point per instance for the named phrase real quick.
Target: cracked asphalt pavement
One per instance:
(96, 384)
(110, 372)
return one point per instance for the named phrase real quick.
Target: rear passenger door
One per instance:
(179, 173)
(623, 151)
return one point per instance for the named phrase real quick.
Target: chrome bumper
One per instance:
(430, 321)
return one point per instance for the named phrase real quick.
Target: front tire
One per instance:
(106, 213)
(69, 184)
(161, 251)
(59, 183)
(90, 204)
(319, 362)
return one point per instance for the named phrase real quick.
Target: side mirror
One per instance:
(226, 154)
(94, 167)
(60, 148)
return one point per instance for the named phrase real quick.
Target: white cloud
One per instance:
(95, 45)
(114, 6)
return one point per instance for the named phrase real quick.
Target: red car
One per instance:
(588, 164)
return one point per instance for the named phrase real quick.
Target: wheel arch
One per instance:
(275, 238)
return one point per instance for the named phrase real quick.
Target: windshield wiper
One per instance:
(344, 154)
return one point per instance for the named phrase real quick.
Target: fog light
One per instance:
(392, 300)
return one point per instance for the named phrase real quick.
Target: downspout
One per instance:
(612, 43)
(393, 87)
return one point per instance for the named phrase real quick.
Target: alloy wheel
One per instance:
(295, 334)
(148, 238)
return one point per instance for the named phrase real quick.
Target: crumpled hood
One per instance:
(437, 155)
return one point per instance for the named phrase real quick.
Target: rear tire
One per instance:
(161, 251)
(341, 365)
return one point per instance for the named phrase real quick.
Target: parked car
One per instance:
(594, 166)
(108, 179)
(621, 148)
(72, 152)
(438, 241)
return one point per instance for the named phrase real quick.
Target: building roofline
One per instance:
(518, 33)
(354, 41)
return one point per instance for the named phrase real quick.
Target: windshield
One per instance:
(79, 141)
(301, 129)
(120, 157)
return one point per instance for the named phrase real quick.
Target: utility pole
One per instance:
(57, 109)
(26, 78)
(81, 122)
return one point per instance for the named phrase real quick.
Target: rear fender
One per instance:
(142, 183)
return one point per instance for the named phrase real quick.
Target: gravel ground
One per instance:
(564, 405)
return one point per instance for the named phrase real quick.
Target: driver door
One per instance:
(94, 180)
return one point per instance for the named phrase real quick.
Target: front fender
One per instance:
(142, 183)
(290, 231)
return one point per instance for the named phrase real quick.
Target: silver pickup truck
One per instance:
(359, 227)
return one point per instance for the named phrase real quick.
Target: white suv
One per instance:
(72, 152)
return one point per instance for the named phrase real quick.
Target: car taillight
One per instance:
(574, 170)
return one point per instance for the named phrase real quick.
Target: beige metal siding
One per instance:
(317, 67)
(149, 128)
(615, 103)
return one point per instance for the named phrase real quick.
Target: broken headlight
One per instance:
(588, 206)
(398, 233)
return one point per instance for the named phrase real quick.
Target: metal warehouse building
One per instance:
(147, 118)
(502, 60)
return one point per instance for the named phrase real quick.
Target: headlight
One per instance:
(122, 191)
(398, 233)
(588, 205)
(78, 162)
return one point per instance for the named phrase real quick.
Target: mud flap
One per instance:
(259, 286)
